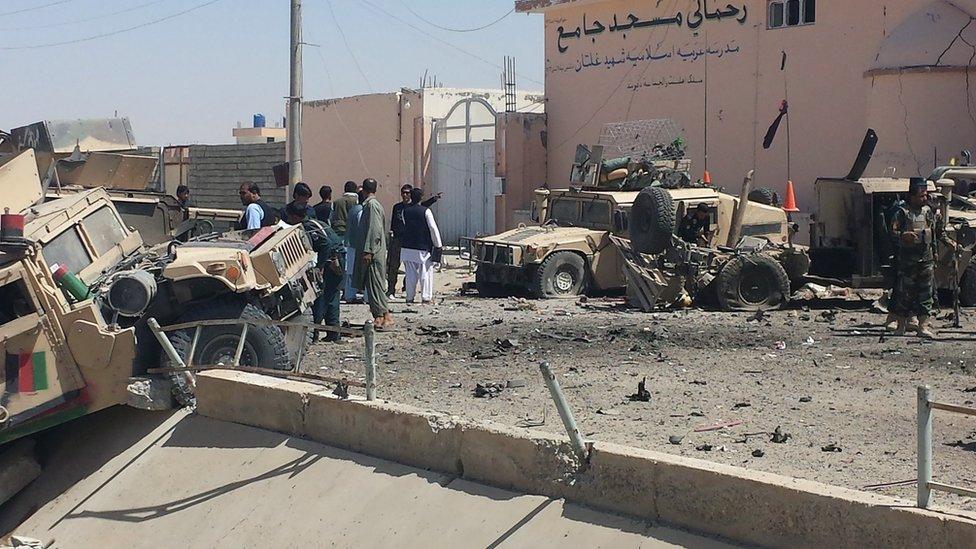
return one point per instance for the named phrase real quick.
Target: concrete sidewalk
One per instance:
(197, 482)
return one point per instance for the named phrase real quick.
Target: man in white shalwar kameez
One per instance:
(420, 248)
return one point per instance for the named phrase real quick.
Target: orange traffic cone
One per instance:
(707, 178)
(790, 205)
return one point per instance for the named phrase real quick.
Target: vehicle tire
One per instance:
(487, 288)
(967, 286)
(750, 282)
(264, 346)
(764, 195)
(562, 274)
(652, 221)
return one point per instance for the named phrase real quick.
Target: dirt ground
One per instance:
(845, 396)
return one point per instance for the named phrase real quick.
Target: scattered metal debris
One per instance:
(757, 453)
(488, 390)
(832, 447)
(642, 394)
(779, 436)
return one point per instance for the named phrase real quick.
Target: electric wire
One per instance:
(442, 42)
(352, 54)
(112, 33)
(335, 108)
(449, 29)
(35, 8)
(84, 19)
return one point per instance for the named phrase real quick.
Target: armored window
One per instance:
(67, 249)
(565, 212)
(104, 230)
(596, 213)
(15, 302)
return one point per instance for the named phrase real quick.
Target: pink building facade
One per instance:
(722, 70)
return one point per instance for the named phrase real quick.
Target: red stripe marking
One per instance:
(25, 378)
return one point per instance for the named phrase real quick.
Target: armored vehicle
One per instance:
(77, 288)
(850, 243)
(640, 196)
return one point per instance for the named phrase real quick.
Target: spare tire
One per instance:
(764, 195)
(652, 221)
(750, 282)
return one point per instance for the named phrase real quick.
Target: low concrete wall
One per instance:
(735, 503)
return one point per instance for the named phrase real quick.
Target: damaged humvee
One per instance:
(633, 185)
(72, 349)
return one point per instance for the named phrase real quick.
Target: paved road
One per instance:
(189, 481)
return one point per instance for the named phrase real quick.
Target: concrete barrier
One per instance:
(731, 502)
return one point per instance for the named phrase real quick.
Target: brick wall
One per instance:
(215, 173)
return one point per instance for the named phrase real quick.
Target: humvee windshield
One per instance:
(592, 213)
(102, 228)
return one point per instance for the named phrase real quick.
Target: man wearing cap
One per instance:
(914, 230)
(695, 227)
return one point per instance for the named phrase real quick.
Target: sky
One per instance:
(191, 78)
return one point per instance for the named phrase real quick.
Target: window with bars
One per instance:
(791, 13)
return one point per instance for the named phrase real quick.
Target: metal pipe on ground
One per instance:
(569, 422)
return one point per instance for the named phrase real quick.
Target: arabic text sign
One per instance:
(693, 20)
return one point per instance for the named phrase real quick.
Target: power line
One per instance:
(449, 29)
(443, 42)
(84, 19)
(111, 33)
(42, 6)
(352, 54)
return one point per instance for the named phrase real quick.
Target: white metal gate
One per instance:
(464, 170)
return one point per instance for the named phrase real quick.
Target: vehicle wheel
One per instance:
(562, 274)
(764, 195)
(967, 286)
(487, 288)
(264, 346)
(652, 221)
(751, 282)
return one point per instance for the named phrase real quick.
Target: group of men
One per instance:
(359, 253)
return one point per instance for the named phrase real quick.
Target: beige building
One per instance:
(442, 139)
(251, 136)
(721, 70)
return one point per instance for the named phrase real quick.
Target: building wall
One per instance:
(387, 136)
(214, 173)
(664, 71)
(520, 159)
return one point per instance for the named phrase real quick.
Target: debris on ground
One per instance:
(779, 436)
(758, 453)
(642, 394)
(704, 447)
(506, 344)
(832, 447)
(488, 390)
(806, 399)
(341, 390)
(484, 355)
(514, 383)
(608, 412)
(676, 439)
(718, 426)
(520, 304)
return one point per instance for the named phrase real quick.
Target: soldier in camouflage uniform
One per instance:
(914, 228)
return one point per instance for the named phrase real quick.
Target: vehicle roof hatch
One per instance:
(20, 184)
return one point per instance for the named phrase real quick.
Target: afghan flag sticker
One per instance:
(25, 372)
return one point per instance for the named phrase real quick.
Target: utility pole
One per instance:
(295, 99)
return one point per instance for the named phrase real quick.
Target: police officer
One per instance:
(914, 230)
(695, 227)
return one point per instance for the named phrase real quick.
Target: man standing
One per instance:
(323, 210)
(914, 228)
(300, 197)
(370, 268)
(183, 197)
(396, 234)
(421, 248)
(339, 219)
(256, 213)
(695, 227)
